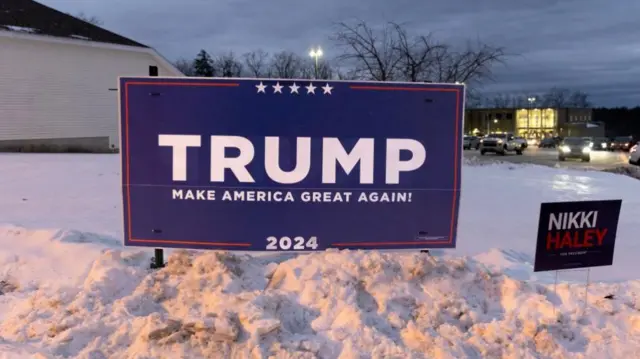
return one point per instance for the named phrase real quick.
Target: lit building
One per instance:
(533, 123)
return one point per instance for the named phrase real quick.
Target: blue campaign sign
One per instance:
(290, 165)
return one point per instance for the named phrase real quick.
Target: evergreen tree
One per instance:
(203, 65)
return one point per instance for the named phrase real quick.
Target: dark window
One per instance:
(509, 116)
(153, 70)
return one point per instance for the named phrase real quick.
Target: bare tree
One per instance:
(502, 101)
(418, 56)
(308, 70)
(472, 65)
(564, 97)
(227, 65)
(392, 54)
(257, 63)
(94, 20)
(556, 97)
(185, 66)
(346, 74)
(473, 98)
(373, 53)
(286, 65)
(579, 99)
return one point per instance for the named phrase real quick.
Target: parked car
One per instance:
(574, 147)
(634, 155)
(522, 141)
(532, 141)
(469, 142)
(548, 143)
(601, 144)
(500, 143)
(623, 143)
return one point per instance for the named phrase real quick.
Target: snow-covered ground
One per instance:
(69, 289)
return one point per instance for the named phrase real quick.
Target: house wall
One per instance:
(58, 92)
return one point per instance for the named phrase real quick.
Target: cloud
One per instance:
(584, 44)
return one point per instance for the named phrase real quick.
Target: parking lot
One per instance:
(600, 160)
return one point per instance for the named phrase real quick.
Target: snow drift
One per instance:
(338, 304)
(78, 293)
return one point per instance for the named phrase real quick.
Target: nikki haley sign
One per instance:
(576, 234)
(290, 165)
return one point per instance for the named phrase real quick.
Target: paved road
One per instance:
(600, 160)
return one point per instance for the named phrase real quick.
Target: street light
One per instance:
(531, 101)
(316, 54)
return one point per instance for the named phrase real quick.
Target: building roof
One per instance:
(28, 16)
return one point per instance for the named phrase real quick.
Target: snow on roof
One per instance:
(20, 28)
(80, 37)
(28, 16)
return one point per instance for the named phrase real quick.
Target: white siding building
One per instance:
(57, 91)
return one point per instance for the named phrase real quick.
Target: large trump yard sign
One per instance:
(290, 165)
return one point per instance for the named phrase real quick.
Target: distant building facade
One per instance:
(534, 123)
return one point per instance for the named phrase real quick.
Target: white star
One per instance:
(327, 89)
(277, 88)
(294, 88)
(261, 87)
(311, 89)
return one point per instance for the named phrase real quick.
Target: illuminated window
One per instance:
(549, 118)
(536, 122)
(522, 119)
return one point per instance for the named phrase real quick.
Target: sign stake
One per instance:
(158, 257)
(555, 292)
(586, 291)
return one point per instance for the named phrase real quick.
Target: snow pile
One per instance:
(338, 304)
(77, 293)
(633, 172)
(477, 161)
(46, 259)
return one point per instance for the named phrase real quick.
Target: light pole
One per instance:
(531, 101)
(316, 54)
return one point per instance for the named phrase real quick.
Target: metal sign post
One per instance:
(586, 291)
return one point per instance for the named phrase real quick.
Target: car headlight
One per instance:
(591, 144)
(565, 149)
(603, 145)
(499, 141)
(586, 149)
(481, 141)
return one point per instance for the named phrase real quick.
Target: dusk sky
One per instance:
(588, 45)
